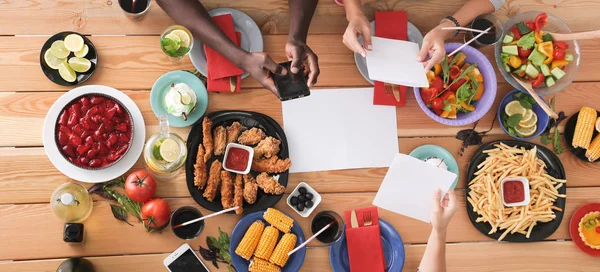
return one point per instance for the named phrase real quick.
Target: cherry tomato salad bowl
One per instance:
(461, 89)
(529, 52)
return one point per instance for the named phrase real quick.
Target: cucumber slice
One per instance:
(545, 70)
(531, 71)
(510, 49)
(569, 57)
(508, 39)
(550, 81)
(521, 69)
(506, 67)
(558, 73)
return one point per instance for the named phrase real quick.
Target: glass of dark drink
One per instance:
(483, 22)
(135, 9)
(182, 215)
(331, 234)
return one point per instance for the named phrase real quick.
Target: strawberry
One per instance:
(92, 112)
(123, 138)
(72, 119)
(92, 154)
(103, 149)
(122, 149)
(68, 150)
(84, 160)
(75, 141)
(63, 138)
(78, 129)
(112, 139)
(85, 101)
(82, 149)
(89, 140)
(95, 163)
(119, 108)
(122, 127)
(110, 113)
(63, 118)
(97, 100)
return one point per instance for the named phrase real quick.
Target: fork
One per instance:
(367, 221)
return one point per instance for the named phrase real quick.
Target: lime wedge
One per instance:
(169, 150)
(59, 50)
(80, 65)
(514, 107)
(81, 53)
(183, 36)
(52, 61)
(186, 98)
(74, 42)
(66, 72)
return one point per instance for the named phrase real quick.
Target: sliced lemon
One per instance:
(175, 38)
(527, 116)
(183, 37)
(59, 50)
(529, 123)
(84, 51)
(74, 42)
(514, 107)
(66, 72)
(52, 61)
(80, 65)
(169, 150)
(526, 132)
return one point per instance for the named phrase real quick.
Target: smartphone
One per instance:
(290, 86)
(184, 259)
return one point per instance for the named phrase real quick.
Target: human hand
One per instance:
(443, 212)
(433, 45)
(258, 65)
(303, 60)
(358, 25)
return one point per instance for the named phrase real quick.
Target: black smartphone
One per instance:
(290, 86)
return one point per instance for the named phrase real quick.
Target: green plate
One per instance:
(162, 86)
(425, 151)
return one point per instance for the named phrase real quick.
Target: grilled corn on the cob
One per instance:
(267, 242)
(250, 240)
(285, 245)
(584, 128)
(279, 220)
(260, 265)
(593, 152)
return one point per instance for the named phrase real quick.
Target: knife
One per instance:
(396, 92)
(232, 83)
(353, 220)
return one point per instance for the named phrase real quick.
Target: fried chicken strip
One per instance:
(250, 188)
(267, 148)
(214, 179)
(269, 184)
(207, 138)
(200, 169)
(233, 132)
(226, 190)
(220, 139)
(271, 165)
(251, 136)
(238, 194)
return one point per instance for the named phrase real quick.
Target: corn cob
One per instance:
(279, 220)
(260, 265)
(267, 242)
(593, 152)
(584, 128)
(250, 240)
(285, 245)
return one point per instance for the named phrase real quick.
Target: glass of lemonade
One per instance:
(165, 152)
(176, 41)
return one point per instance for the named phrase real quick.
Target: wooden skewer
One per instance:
(205, 217)
(472, 40)
(527, 86)
(588, 35)
(310, 239)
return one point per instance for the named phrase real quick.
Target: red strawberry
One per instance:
(110, 113)
(103, 149)
(63, 138)
(75, 141)
(122, 149)
(122, 127)
(64, 129)
(123, 138)
(119, 108)
(82, 149)
(85, 124)
(89, 140)
(112, 139)
(63, 119)
(92, 154)
(97, 100)
(72, 119)
(92, 111)
(84, 160)
(78, 129)
(68, 150)
(95, 163)
(76, 108)
(110, 104)
(113, 156)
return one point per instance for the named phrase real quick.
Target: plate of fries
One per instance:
(497, 160)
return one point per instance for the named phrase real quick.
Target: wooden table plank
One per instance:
(104, 234)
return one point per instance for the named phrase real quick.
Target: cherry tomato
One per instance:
(561, 45)
(559, 54)
(140, 186)
(457, 85)
(454, 72)
(516, 33)
(598, 229)
(427, 94)
(537, 81)
(437, 103)
(531, 25)
(155, 214)
(437, 83)
(524, 53)
(524, 60)
(438, 112)
(540, 21)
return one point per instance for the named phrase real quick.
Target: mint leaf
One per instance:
(514, 120)
(525, 104)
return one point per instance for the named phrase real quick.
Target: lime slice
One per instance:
(81, 53)
(530, 123)
(526, 132)
(59, 50)
(174, 38)
(186, 98)
(74, 42)
(66, 72)
(514, 107)
(169, 150)
(52, 61)
(183, 37)
(527, 116)
(80, 65)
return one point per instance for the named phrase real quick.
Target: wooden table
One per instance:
(131, 60)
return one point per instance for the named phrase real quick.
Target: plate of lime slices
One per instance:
(68, 58)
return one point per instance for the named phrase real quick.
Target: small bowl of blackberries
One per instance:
(304, 199)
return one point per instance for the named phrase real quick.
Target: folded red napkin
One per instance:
(364, 243)
(391, 25)
(220, 68)
(223, 84)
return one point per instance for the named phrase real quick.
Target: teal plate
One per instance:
(162, 86)
(425, 151)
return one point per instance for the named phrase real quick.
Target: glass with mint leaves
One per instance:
(176, 41)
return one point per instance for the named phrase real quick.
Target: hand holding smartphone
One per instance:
(184, 259)
(290, 86)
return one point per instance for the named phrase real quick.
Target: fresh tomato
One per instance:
(516, 33)
(140, 186)
(454, 72)
(155, 214)
(537, 81)
(437, 83)
(523, 53)
(438, 112)
(561, 45)
(427, 94)
(559, 54)
(531, 25)
(524, 60)
(437, 103)
(540, 21)
(457, 85)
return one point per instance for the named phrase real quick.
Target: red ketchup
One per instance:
(514, 191)
(237, 159)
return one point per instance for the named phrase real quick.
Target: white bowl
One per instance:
(251, 155)
(316, 199)
(525, 182)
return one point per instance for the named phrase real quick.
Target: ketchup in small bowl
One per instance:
(515, 191)
(238, 158)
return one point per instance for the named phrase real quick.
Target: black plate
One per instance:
(554, 168)
(53, 75)
(248, 120)
(569, 131)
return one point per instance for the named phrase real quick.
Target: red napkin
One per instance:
(220, 68)
(222, 84)
(364, 243)
(391, 25)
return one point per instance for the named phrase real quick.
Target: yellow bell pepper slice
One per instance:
(437, 69)
(476, 74)
(546, 48)
(558, 63)
(538, 37)
(430, 76)
(479, 92)
(514, 62)
(548, 60)
(460, 59)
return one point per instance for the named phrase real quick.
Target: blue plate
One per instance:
(241, 265)
(425, 151)
(162, 86)
(393, 249)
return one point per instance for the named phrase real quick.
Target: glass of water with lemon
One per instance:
(176, 41)
(57, 57)
(165, 152)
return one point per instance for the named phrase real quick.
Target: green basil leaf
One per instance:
(514, 120)
(445, 69)
(545, 139)
(119, 213)
(525, 104)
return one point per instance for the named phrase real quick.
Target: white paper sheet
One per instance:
(395, 61)
(339, 129)
(409, 185)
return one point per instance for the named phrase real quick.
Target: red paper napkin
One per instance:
(222, 84)
(219, 68)
(364, 243)
(391, 25)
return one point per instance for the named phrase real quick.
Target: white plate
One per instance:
(251, 37)
(93, 176)
(413, 34)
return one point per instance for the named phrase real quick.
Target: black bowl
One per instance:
(53, 75)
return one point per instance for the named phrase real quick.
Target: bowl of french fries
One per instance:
(545, 175)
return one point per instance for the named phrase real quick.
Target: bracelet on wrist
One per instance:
(453, 21)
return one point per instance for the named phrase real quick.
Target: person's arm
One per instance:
(301, 13)
(358, 24)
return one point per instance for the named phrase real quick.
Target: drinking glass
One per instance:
(135, 9)
(334, 232)
(482, 22)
